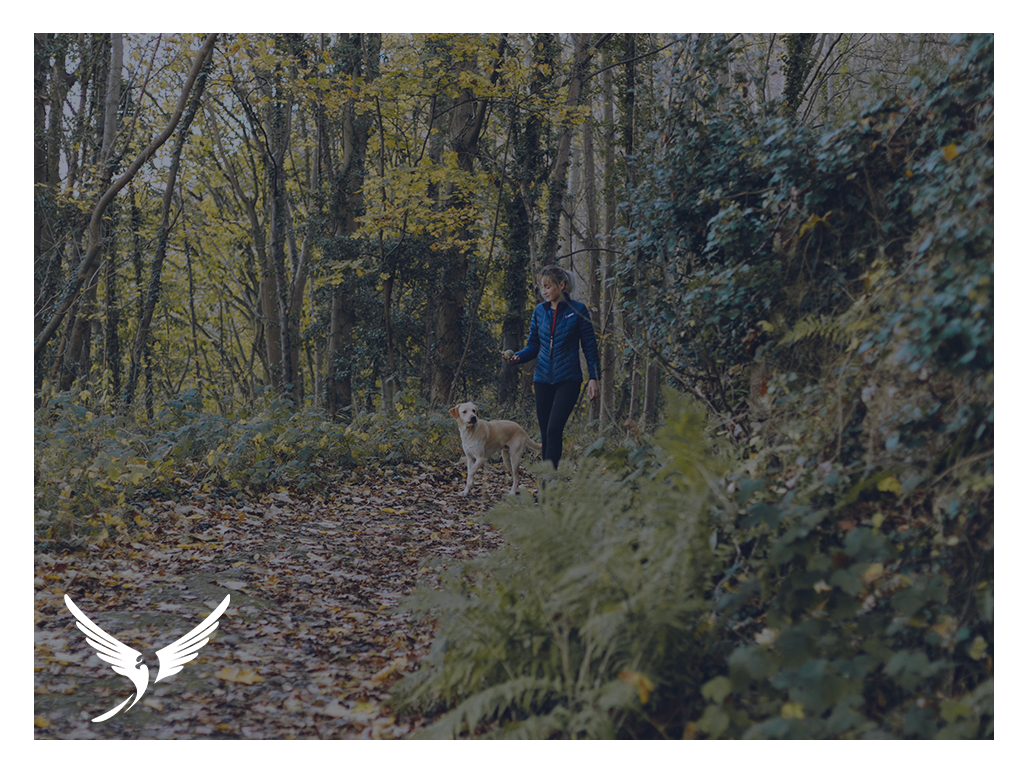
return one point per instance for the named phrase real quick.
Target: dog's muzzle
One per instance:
(472, 420)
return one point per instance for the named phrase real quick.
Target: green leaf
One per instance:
(717, 689)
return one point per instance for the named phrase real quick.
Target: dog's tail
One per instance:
(534, 445)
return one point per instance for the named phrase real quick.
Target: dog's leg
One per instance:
(472, 468)
(511, 464)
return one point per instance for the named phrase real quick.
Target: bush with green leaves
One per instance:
(756, 239)
(411, 431)
(850, 619)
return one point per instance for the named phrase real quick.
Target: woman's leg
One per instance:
(544, 395)
(558, 409)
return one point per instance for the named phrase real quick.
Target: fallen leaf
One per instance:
(873, 573)
(890, 483)
(239, 675)
(333, 709)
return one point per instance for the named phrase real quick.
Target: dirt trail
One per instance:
(311, 642)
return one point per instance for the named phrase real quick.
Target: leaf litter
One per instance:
(312, 640)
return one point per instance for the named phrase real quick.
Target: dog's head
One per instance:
(466, 413)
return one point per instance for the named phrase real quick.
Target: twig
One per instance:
(968, 460)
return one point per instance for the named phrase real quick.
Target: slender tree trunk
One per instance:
(164, 229)
(75, 360)
(112, 354)
(40, 178)
(606, 319)
(112, 315)
(628, 123)
(40, 65)
(193, 314)
(516, 267)
(266, 309)
(46, 254)
(559, 175)
(339, 395)
(388, 269)
(592, 228)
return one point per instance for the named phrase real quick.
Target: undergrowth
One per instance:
(92, 463)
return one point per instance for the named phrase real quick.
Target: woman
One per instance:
(560, 325)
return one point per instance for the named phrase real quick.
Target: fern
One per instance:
(522, 694)
(817, 326)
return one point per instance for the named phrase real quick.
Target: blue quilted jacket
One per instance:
(554, 340)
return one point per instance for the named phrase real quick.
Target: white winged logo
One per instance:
(129, 662)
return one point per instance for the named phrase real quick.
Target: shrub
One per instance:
(413, 431)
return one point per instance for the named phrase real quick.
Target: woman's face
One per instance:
(550, 291)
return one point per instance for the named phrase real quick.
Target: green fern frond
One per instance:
(522, 694)
(812, 326)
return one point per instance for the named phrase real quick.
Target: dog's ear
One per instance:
(454, 411)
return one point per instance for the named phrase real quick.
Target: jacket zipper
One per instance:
(554, 322)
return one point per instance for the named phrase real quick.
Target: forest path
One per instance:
(311, 642)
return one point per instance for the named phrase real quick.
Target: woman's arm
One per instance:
(588, 341)
(532, 344)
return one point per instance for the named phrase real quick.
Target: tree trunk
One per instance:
(40, 178)
(466, 126)
(74, 359)
(112, 315)
(48, 90)
(593, 254)
(638, 362)
(163, 233)
(559, 175)
(513, 326)
(797, 65)
(606, 319)
(360, 53)
(520, 208)
(193, 314)
(339, 395)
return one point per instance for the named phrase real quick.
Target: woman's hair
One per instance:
(557, 275)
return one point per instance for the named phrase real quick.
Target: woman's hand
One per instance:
(509, 356)
(592, 389)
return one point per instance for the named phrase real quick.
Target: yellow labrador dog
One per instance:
(482, 439)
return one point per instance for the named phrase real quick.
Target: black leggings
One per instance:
(554, 404)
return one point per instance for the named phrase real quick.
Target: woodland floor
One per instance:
(312, 640)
